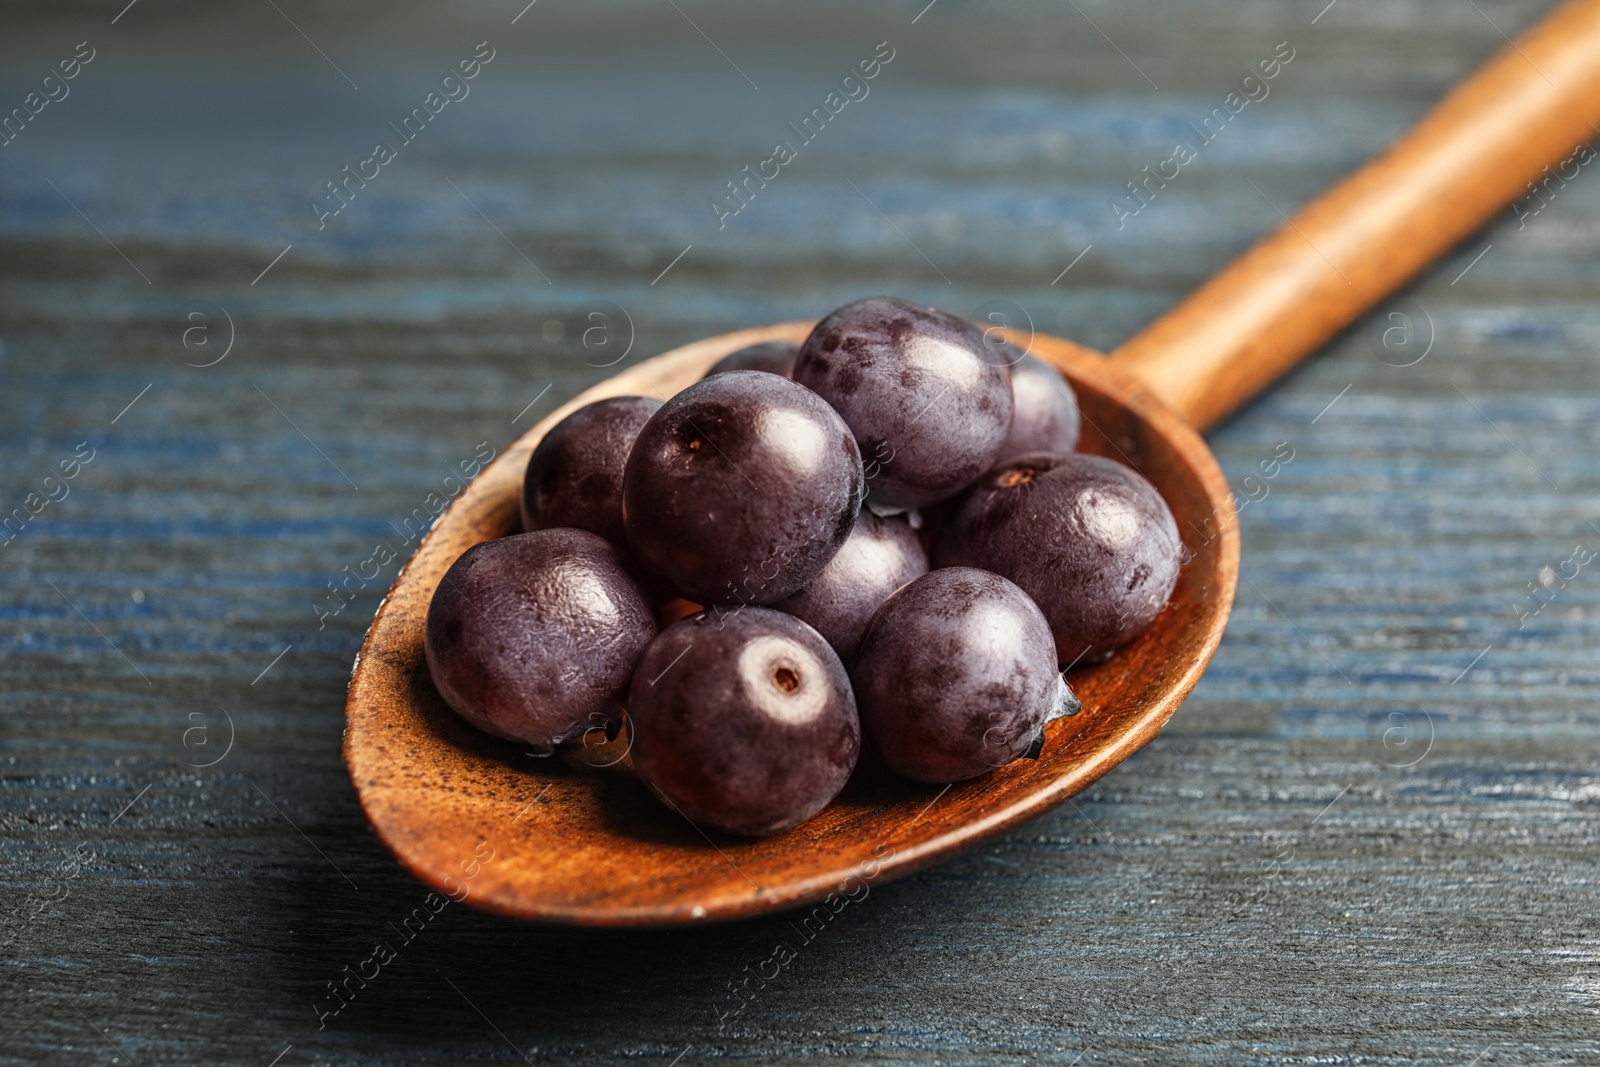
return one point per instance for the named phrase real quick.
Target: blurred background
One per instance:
(1369, 834)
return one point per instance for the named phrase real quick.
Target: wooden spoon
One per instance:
(575, 838)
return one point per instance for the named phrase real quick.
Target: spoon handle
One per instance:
(1526, 116)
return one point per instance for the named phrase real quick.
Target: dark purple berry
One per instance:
(574, 476)
(774, 357)
(957, 676)
(928, 403)
(880, 556)
(1089, 539)
(1044, 411)
(741, 488)
(534, 637)
(743, 720)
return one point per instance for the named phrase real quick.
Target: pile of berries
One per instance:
(885, 529)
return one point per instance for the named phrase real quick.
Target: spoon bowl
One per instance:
(576, 838)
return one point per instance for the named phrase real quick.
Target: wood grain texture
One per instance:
(1268, 881)
(577, 838)
(1517, 129)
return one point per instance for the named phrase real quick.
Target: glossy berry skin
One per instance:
(574, 476)
(1044, 411)
(956, 676)
(774, 357)
(879, 557)
(1089, 539)
(928, 403)
(741, 488)
(743, 720)
(534, 637)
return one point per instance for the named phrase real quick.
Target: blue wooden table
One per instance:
(242, 346)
